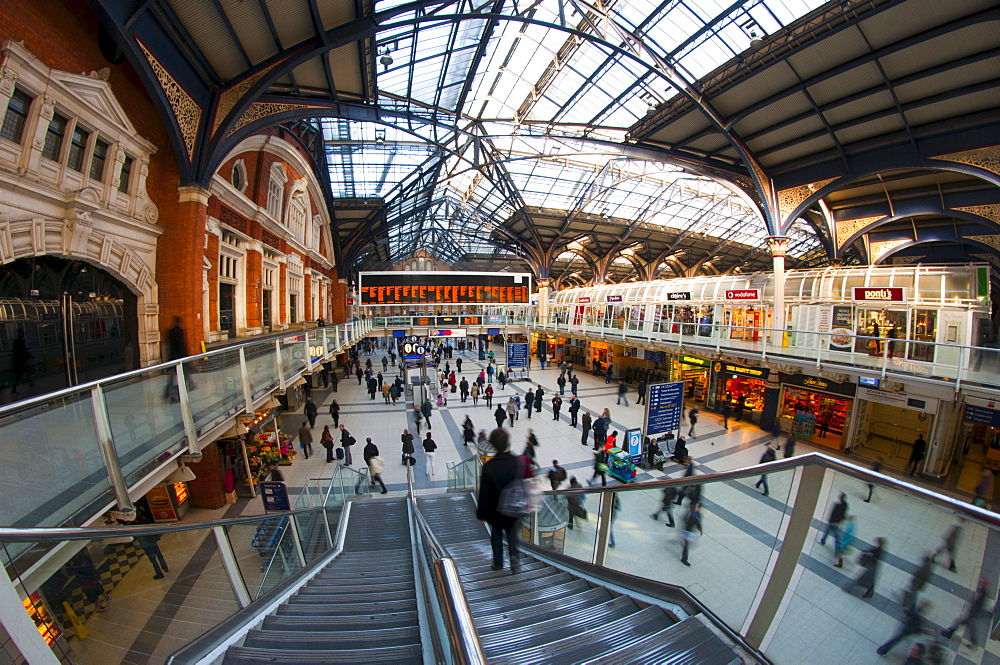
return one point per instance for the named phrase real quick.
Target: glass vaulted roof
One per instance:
(497, 108)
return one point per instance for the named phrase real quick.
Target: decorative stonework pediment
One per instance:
(96, 94)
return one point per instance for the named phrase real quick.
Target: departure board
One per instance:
(408, 288)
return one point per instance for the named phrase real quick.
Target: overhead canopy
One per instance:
(622, 140)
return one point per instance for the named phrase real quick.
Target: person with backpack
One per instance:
(557, 475)
(498, 474)
(407, 440)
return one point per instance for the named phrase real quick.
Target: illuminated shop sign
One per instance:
(614, 298)
(680, 295)
(583, 300)
(743, 294)
(880, 294)
(752, 372)
(691, 360)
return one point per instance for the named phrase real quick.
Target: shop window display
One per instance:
(888, 325)
(810, 415)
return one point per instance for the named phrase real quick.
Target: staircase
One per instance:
(361, 608)
(545, 615)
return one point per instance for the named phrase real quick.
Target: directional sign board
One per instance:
(517, 355)
(664, 404)
(274, 494)
(446, 333)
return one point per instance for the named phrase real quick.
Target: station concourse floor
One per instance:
(821, 624)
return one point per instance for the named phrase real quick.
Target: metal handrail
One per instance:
(460, 627)
(967, 510)
(39, 534)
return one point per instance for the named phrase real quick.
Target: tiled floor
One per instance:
(820, 623)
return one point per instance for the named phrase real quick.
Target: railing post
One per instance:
(22, 630)
(885, 356)
(230, 566)
(294, 528)
(326, 527)
(961, 363)
(245, 381)
(606, 511)
(186, 419)
(105, 439)
(780, 581)
(279, 364)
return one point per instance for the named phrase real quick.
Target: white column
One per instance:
(543, 298)
(778, 246)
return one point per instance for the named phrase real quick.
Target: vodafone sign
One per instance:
(743, 294)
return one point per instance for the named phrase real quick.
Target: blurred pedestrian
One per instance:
(500, 415)
(768, 456)
(496, 475)
(622, 393)
(693, 419)
(877, 468)
(975, 614)
(869, 561)
(917, 582)
(407, 440)
(913, 624)
(692, 529)
(666, 505)
(837, 513)
(311, 411)
(305, 440)
(950, 541)
(917, 453)
(600, 467)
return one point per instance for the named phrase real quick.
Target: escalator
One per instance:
(362, 607)
(545, 614)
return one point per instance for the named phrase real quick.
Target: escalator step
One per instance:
(333, 639)
(516, 587)
(505, 573)
(555, 628)
(536, 612)
(320, 594)
(590, 644)
(537, 573)
(408, 655)
(683, 642)
(283, 621)
(359, 586)
(317, 607)
(482, 607)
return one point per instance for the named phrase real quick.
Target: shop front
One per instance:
(643, 365)
(887, 423)
(600, 356)
(258, 442)
(694, 372)
(575, 352)
(743, 387)
(815, 409)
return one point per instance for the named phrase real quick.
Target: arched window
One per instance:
(297, 217)
(276, 191)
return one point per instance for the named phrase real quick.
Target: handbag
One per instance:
(518, 498)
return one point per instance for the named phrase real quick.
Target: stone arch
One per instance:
(75, 238)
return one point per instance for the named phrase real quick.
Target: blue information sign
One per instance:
(982, 415)
(275, 496)
(665, 401)
(517, 355)
(633, 442)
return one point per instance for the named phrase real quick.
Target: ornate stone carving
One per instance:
(876, 250)
(984, 158)
(212, 226)
(260, 110)
(150, 213)
(229, 98)
(232, 219)
(778, 245)
(270, 239)
(791, 198)
(187, 113)
(989, 240)
(846, 228)
(990, 211)
(7, 79)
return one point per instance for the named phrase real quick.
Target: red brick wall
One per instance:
(255, 280)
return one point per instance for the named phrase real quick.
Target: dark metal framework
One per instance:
(506, 133)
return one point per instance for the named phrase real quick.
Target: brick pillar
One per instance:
(254, 285)
(179, 270)
(281, 307)
(338, 292)
(208, 489)
(212, 254)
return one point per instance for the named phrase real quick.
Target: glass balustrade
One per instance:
(465, 474)
(57, 437)
(122, 598)
(761, 563)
